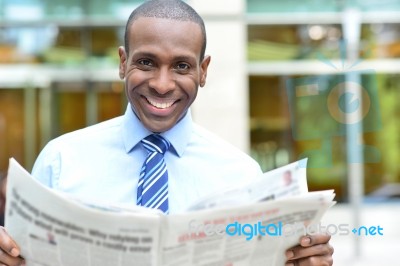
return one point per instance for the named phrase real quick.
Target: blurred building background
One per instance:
(59, 72)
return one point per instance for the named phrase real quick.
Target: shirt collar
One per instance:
(133, 132)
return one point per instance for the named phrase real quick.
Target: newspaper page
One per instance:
(285, 181)
(55, 231)
(248, 235)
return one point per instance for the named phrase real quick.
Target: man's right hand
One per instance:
(9, 251)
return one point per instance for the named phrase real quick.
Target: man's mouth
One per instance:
(160, 104)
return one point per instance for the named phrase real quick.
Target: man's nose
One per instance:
(162, 81)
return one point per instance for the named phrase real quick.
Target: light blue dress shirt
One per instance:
(103, 162)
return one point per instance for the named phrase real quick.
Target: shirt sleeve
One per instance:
(47, 166)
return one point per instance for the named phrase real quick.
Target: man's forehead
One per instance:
(150, 34)
(165, 28)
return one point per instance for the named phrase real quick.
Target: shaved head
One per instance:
(166, 9)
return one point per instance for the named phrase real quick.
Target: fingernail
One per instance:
(23, 264)
(14, 252)
(289, 254)
(306, 241)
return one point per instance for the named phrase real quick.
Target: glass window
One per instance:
(293, 42)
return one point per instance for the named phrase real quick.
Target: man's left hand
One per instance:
(313, 250)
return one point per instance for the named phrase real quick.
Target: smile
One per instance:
(160, 105)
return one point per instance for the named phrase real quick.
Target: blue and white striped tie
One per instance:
(152, 191)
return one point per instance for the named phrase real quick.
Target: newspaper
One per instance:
(54, 229)
(289, 180)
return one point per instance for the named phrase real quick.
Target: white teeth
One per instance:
(162, 105)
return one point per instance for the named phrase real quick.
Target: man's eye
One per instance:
(182, 66)
(145, 62)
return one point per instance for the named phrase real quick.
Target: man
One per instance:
(163, 64)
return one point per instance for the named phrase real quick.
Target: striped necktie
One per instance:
(152, 191)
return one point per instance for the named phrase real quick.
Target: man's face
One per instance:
(163, 70)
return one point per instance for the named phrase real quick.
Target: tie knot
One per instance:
(155, 143)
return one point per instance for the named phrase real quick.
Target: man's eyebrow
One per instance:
(185, 58)
(143, 54)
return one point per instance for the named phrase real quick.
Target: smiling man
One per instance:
(163, 69)
(155, 155)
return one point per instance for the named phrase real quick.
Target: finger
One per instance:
(310, 240)
(7, 244)
(6, 259)
(312, 261)
(305, 252)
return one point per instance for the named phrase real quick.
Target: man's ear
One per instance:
(203, 70)
(122, 62)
